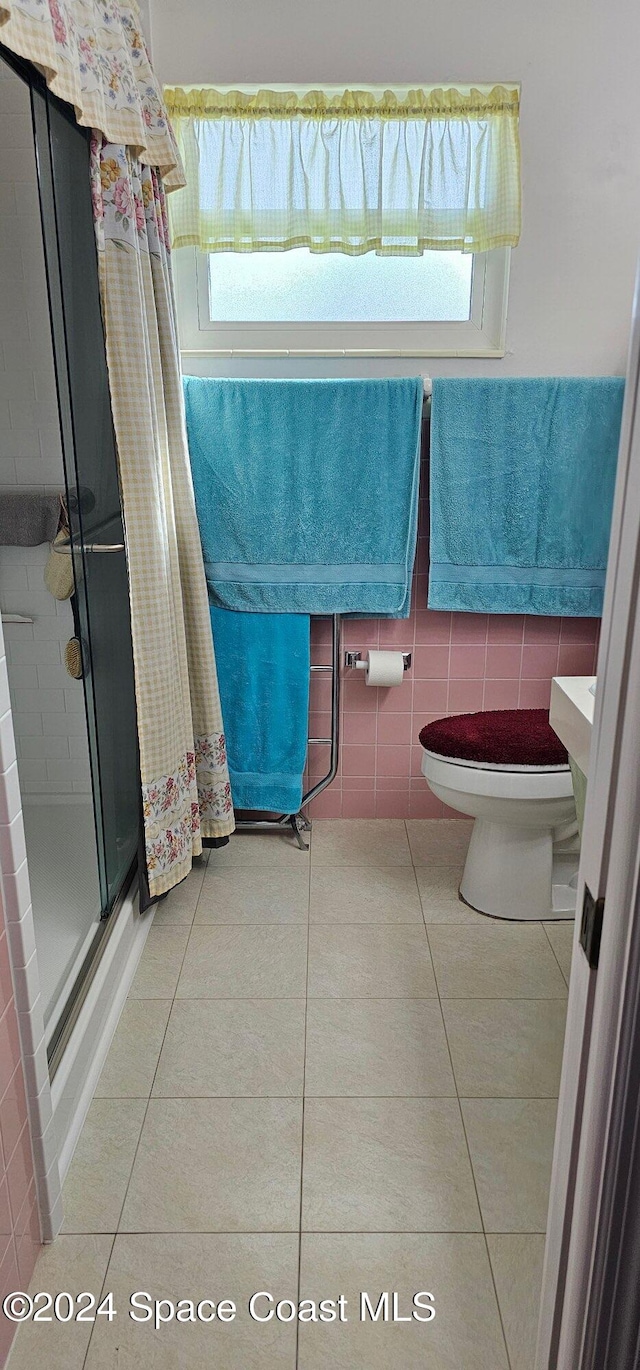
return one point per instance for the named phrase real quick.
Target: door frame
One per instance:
(592, 1218)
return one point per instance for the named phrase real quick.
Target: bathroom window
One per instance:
(345, 221)
(307, 303)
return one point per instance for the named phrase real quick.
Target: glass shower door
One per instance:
(76, 738)
(97, 535)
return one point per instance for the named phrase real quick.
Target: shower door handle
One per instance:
(67, 549)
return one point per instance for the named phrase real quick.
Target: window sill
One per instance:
(341, 352)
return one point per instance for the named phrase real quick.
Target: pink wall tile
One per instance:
(469, 628)
(424, 804)
(19, 1218)
(579, 629)
(392, 804)
(465, 696)
(504, 661)
(328, 804)
(395, 729)
(432, 626)
(360, 632)
(535, 694)
(6, 1221)
(461, 663)
(20, 1171)
(416, 759)
(358, 760)
(467, 662)
(430, 697)
(430, 662)
(393, 782)
(27, 1238)
(575, 658)
(359, 728)
(393, 760)
(9, 1281)
(539, 659)
(396, 700)
(505, 628)
(396, 633)
(542, 629)
(13, 1111)
(501, 694)
(357, 697)
(355, 804)
(9, 1045)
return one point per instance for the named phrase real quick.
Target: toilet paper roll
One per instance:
(384, 668)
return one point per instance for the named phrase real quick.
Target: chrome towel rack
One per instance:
(298, 822)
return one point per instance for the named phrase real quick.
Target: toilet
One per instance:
(509, 771)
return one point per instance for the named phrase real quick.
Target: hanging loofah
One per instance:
(73, 658)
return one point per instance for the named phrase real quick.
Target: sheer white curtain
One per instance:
(349, 173)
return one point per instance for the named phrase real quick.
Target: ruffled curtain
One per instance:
(93, 55)
(349, 172)
(185, 781)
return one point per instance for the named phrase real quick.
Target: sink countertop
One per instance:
(571, 715)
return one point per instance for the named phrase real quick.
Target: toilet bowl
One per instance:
(522, 861)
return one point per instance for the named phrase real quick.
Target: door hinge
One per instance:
(591, 927)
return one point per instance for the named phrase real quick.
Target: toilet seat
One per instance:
(515, 738)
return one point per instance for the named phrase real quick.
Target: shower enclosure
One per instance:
(76, 740)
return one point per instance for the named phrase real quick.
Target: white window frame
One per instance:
(483, 335)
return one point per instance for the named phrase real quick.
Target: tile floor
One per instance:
(330, 1076)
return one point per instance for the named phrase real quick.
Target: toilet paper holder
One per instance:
(354, 661)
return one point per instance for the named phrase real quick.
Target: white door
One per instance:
(597, 1041)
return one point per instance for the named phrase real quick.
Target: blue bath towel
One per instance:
(522, 479)
(307, 492)
(263, 674)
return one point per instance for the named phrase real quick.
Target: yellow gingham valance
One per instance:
(93, 55)
(349, 171)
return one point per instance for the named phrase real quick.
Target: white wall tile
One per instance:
(35, 603)
(13, 850)
(47, 748)
(7, 742)
(54, 676)
(78, 747)
(65, 725)
(26, 727)
(22, 941)
(10, 803)
(32, 770)
(22, 678)
(74, 700)
(17, 893)
(68, 770)
(55, 787)
(40, 701)
(34, 653)
(5, 698)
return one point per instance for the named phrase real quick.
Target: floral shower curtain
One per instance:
(93, 55)
(185, 782)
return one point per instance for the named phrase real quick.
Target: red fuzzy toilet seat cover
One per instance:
(498, 737)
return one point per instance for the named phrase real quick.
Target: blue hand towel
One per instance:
(522, 479)
(307, 492)
(263, 675)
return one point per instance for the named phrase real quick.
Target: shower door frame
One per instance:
(42, 101)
